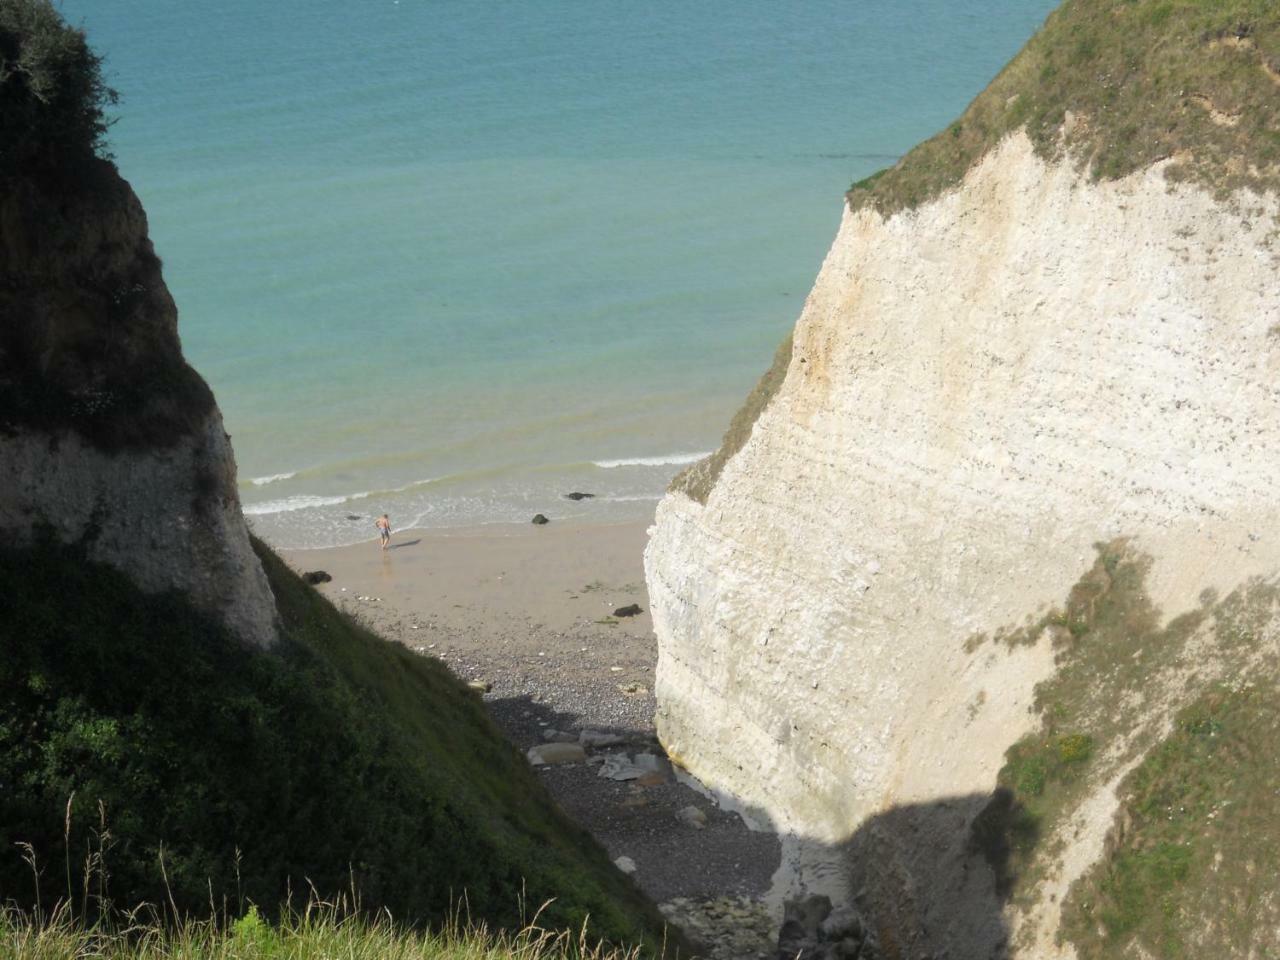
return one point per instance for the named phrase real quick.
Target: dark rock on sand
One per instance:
(630, 610)
(539, 519)
(579, 496)
(316, 576)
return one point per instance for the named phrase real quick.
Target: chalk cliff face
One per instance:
(855, 612)
(107, 437)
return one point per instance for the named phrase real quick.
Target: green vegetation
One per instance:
(146, 757)
(1121, 84)
(698, 480)
(1041, 773)
(1110, 649)
(1194, 861)
(317, 932)
(52, 95)
(1193, 858)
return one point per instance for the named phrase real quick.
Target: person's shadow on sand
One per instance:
(407, 543)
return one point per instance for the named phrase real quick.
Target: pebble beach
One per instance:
(526, 614)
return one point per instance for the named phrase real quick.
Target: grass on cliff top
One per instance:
(146, 757)
(1121, 668)
(318, 932)
(1144, 80)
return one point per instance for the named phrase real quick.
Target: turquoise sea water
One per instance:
(454, 258)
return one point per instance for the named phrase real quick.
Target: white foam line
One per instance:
(667, 460)
(307, 501)
(302, 502)
(263, 481)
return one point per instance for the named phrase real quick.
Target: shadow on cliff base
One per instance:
(914, 882)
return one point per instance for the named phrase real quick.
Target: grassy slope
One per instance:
(1189, 861)
(1197, 80)
(343, 760)
(1193, 865)
(1144, 80)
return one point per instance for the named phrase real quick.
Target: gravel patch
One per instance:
(594, 676)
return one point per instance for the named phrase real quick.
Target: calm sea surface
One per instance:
(454, 258)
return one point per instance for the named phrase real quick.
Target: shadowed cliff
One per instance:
(108, 439)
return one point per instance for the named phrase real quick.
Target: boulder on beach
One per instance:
(579, 496)
(630, 610)
(548, 754)
(540, 520)
(316, 576)
(618, 766)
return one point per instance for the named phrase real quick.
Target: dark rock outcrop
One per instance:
(108, 438)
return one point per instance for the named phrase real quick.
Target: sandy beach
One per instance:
(529, 610)
(493, 578)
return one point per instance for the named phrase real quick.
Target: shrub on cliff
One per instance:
(53, 99)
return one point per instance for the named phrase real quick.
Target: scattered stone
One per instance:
(579, 496)
(354, 516)
(618, 766)
(598, 738)
(633, 689)
(480, 686)
(630, 610)
(540, 520)
(316, 576)
(810, 928)
(725, 928)
(651, 779)
(692, 816)
(625, 864)
(549, 754)
(558, 736)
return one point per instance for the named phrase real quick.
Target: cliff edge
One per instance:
(976, 601)
(107, 437)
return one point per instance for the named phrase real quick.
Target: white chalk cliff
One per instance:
(980, 389)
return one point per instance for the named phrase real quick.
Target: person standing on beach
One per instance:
(383, 523)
